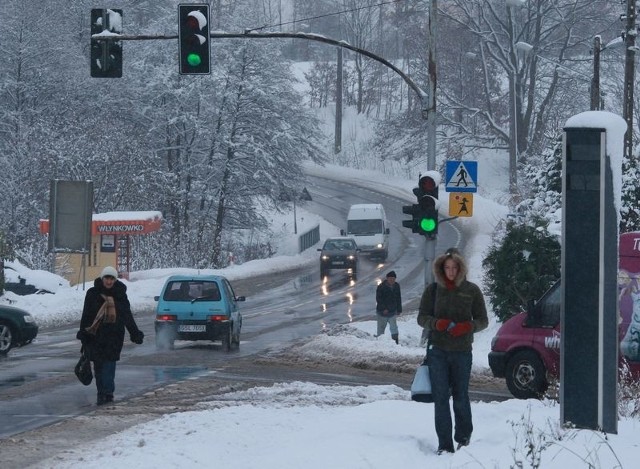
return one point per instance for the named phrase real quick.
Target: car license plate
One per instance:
(338, 263)
(192, 328)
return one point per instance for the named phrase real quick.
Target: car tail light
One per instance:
(166, 317)
(218, 317)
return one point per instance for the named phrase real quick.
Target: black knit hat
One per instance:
(392, 274)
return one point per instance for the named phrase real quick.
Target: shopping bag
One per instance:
(83, 369)
(421, 386)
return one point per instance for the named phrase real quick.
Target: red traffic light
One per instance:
(427, 184)
(192, 22)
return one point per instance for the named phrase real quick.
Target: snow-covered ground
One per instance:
(303, 425)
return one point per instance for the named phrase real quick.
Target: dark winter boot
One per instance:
(395, 337)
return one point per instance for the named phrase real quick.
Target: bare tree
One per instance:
(542, 48)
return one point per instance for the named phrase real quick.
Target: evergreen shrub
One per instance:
(522, 266)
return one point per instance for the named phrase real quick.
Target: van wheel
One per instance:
(526, 376)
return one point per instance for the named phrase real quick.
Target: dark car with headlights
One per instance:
(17, 328)
(340, 253)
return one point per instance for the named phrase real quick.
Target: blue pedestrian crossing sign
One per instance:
(461, 176)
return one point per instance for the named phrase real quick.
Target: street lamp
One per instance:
(524, 47)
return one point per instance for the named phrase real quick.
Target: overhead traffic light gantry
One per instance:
(194, 39)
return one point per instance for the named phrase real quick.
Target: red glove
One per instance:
(461, 328)
(442, 324)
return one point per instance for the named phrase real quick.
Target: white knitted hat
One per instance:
(109, 271)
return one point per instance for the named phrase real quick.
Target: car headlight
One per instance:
(379, 246)
(324, 257)
(352, 257)
(29, 319)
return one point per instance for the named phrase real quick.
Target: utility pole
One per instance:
(629, 74)
(430, 242)
(513, 98)
(337, 146)
(431, 106)
(595, 80)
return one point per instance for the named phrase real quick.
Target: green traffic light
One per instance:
(427, 224)
(194, 59)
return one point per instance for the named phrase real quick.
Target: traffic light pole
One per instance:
(429, 257)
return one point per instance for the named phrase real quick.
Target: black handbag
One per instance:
(83, 368)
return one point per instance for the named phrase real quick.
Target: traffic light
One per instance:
(194, 36)
(427, 194)
(106, 56)
(414, 211)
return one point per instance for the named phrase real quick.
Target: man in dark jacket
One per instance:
(105, 315)
(452, 311)
(388, 305)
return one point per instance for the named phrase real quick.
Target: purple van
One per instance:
(526, 349)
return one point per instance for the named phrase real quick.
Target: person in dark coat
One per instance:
(452, 317)
(105, 315)
(388, 305)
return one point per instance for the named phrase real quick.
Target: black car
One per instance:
(339, 253)
(17, 328)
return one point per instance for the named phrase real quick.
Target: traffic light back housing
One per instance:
(106, 56)
(414, 211)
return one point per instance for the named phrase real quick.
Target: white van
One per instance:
(367, 224)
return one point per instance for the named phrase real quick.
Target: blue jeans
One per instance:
(105, 372)
(382, 323)
(450, 373)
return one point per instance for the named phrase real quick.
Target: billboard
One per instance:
(70, 212)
